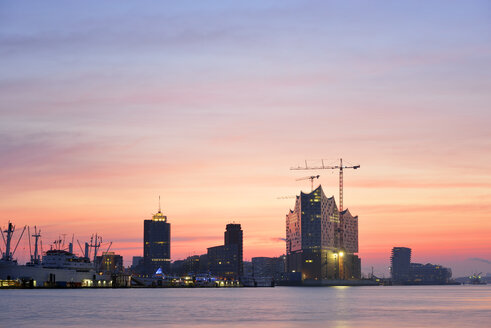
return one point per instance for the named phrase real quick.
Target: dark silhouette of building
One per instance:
(224, 261)
(429, 274)
(156, 244)
(406, 273)
(204, 265)
(321, 243)
(227, 261)
(188, 266)
(400, 262)
(234, 236)
(137, 265)
(263, 266)
(109, 263)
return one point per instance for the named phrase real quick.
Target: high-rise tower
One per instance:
(234, 236)
(156, 244)
(400, 262)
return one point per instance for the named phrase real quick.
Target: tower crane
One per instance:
(311, 178)
(341, 167)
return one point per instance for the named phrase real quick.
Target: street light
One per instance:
(336, 262)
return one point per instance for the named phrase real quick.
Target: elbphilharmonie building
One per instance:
(321, 242)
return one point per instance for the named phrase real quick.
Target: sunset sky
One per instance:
(104, 106)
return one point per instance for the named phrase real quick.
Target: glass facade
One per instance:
(319, 243)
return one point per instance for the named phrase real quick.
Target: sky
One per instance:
(104, 106)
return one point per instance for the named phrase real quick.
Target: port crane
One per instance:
(341, 167)
(311, 178)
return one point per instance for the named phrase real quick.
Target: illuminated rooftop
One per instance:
(159, 217)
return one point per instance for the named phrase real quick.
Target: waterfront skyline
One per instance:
(106, 107)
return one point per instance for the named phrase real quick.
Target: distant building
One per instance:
(137, 265)
(190, 265)
(279, 268)
(321, 242)
(227, 261)
(263, 267)
(429, 274)
(248, 270)
(156, 244)
(400, 261)
(177, 268)
(233, 236)
(406, 273)
(109, 263)
(204, 265)
(137, 260)
(224, 261)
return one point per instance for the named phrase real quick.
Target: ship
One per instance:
(58, 267)
(476, 279)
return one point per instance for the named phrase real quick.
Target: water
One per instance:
(405, 306)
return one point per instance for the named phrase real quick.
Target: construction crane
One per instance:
(341, 167)
(287, 197)
(311, 178)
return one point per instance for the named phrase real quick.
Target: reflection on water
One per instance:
(405, 306)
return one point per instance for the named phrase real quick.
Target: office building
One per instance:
(406, 273)
(321, 243)
(137, 266)
(400, 262)
(233, 236)
(263, 267)
(429, 274)
(156, 244)
(109, 263)
(188, 266)
(223, 261)
(226, 261)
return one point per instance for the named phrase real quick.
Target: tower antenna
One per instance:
(159, 204)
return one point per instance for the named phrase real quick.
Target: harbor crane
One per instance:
(341, 167)
(311, 178)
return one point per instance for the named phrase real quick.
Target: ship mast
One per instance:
(8, 256)
(36, 258)
(9, 232)
(95, 245)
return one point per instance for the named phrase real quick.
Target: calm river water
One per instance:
(405, 306)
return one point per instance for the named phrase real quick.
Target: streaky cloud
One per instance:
(478, 259)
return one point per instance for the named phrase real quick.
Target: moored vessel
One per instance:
(59, 267)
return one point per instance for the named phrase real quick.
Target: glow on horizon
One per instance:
(104, 109)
